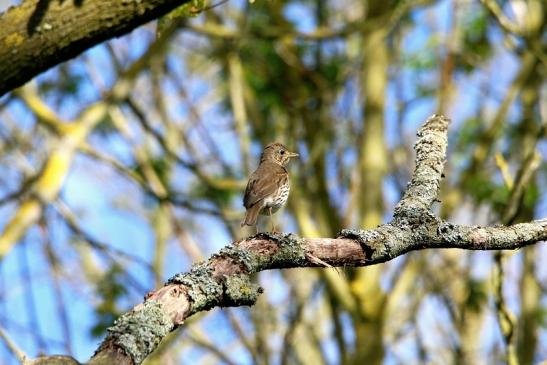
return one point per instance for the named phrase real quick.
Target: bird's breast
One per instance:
(277, 200)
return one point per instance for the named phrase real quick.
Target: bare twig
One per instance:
(506, 318)
(12, 347)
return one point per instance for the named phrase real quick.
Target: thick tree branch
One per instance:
(224, 279)
(39, 34)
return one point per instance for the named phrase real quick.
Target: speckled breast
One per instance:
(276, 201)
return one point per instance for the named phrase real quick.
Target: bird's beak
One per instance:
(292, 154)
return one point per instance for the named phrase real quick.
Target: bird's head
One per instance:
(277, 153)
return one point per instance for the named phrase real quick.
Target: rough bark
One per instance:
(223, 280)
(39, 34)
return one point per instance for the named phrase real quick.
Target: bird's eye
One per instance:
(282, 152)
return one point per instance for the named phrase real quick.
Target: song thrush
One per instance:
(268, 187)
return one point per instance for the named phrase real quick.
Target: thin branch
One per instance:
(506, 318)
(212, 6)
(240, 332)
(12, 347)
(113, 254)
(171, 197)
(199, 340)
(72, 222)
(498, 14)
(525, 174)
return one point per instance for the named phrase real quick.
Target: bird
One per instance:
(268, 186)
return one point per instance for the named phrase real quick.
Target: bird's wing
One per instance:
(263, 182)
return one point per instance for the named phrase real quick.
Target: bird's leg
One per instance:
(271, 219)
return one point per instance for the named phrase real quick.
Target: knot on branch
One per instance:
(448, 232)
(413, 218)
(139, 332)
(367, 239)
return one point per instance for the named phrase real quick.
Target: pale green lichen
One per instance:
(239, 290)
(240, 255)
(290, 252)
(140, 331)
(204, 291)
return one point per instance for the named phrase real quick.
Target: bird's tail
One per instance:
(251, 215)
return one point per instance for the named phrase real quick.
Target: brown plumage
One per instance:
(268, 187)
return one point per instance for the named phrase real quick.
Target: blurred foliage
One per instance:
(68, 83)
(477, 295)
(476, 46)
(109, 289)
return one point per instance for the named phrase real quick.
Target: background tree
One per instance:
(127, 164)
